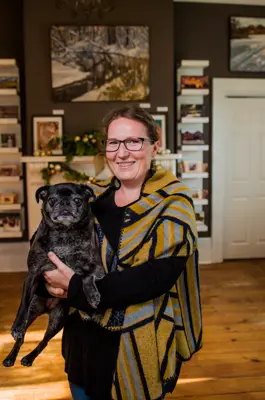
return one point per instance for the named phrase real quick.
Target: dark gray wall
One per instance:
(202, 31)
(11, 30)
(38, 18)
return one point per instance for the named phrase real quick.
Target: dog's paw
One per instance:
(8, 362)
(26, 362)
(94, 300)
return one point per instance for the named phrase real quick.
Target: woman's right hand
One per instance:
(56, 292)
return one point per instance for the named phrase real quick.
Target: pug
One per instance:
(67, 228)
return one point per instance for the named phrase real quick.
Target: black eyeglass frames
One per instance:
(131, 144)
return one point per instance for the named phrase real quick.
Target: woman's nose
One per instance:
(122, 151)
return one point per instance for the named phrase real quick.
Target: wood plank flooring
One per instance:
(231, 365)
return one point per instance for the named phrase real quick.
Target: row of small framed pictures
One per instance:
(46, 128)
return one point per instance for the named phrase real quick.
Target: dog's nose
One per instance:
(65, 202)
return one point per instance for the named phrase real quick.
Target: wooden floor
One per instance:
(231, 365)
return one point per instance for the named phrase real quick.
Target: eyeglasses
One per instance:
(131, 144)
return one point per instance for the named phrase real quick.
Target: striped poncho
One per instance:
(156, 334)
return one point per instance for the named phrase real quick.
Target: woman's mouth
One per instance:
(125, 164)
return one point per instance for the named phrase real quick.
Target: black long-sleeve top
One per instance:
(91, 351)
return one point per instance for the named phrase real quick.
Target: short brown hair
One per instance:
(135, 113)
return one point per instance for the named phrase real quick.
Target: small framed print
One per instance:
(193, 167)
(47, 130)
(161, 120)
(7, 140)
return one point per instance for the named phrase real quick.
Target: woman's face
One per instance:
(130, 166)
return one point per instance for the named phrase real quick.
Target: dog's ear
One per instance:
(42, 193)
(87, 190)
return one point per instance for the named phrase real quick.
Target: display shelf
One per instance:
(9, 150)
(202, 147)
(5, 235)
(200, 202)
(191, 120)
(202, 227)
(8, 121)
(11, 179)
(194, 92)
(194, 64)
(10, 207)
(195, 175)
(8, 92)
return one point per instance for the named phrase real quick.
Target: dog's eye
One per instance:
(52, 201)
(78, 201)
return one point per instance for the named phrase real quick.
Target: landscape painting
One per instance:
(100, 63)
(247, 44)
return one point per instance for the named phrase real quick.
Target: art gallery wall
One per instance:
(38, 19)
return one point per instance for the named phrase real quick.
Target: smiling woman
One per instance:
(149, 318)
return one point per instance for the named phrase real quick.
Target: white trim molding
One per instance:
(238, 2)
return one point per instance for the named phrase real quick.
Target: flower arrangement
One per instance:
(88, 144)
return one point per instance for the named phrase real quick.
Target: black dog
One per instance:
(67, 229)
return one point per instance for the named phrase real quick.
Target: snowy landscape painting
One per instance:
(247, 44)
(100, 63)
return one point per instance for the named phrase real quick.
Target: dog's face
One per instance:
(65, 203)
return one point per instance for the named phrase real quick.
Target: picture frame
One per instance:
(245, 35)
(9, 170)
(192, 110)
(8, 140)
(192, 138)
(99, 63)
(8, 82)
(194, 82)
(161, 120)
(46, 128)
(199, 194)
(191, 167)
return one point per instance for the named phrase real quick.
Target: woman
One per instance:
(149, 317)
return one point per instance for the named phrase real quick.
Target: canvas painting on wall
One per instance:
(100, 63)
(247, 44)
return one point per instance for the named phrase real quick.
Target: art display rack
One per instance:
(12, 211)
(193, 137)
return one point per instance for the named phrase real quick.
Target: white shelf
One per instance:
(202, 227)
(9, 150)
(200, 202)
(194, 92)
(9, 179)
(10, 234)
(10, 207)
(8, 92)
(194, 64)
(194, 120)
(33, 159)
(204, 147)
(8, 121)
(194, 175)
(166, 157)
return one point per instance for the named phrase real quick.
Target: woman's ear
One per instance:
(155, 148)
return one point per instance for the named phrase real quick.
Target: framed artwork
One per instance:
(46, 128)
(194, 82)
(161, 120)
(247, 42)
(99, 63)
(7, 140)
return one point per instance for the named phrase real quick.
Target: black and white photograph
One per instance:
(247, 44)
(100, 63)
(7, 140)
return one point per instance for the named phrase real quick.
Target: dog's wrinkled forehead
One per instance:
(63, 190)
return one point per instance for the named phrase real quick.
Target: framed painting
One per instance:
(247, 43)
(99, 63)
(45, 129)
(161, 120)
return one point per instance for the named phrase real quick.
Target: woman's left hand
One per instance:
(60, 277)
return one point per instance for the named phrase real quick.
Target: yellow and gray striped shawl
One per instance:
(158, 333)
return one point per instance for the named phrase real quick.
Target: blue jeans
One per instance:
(78, 392)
